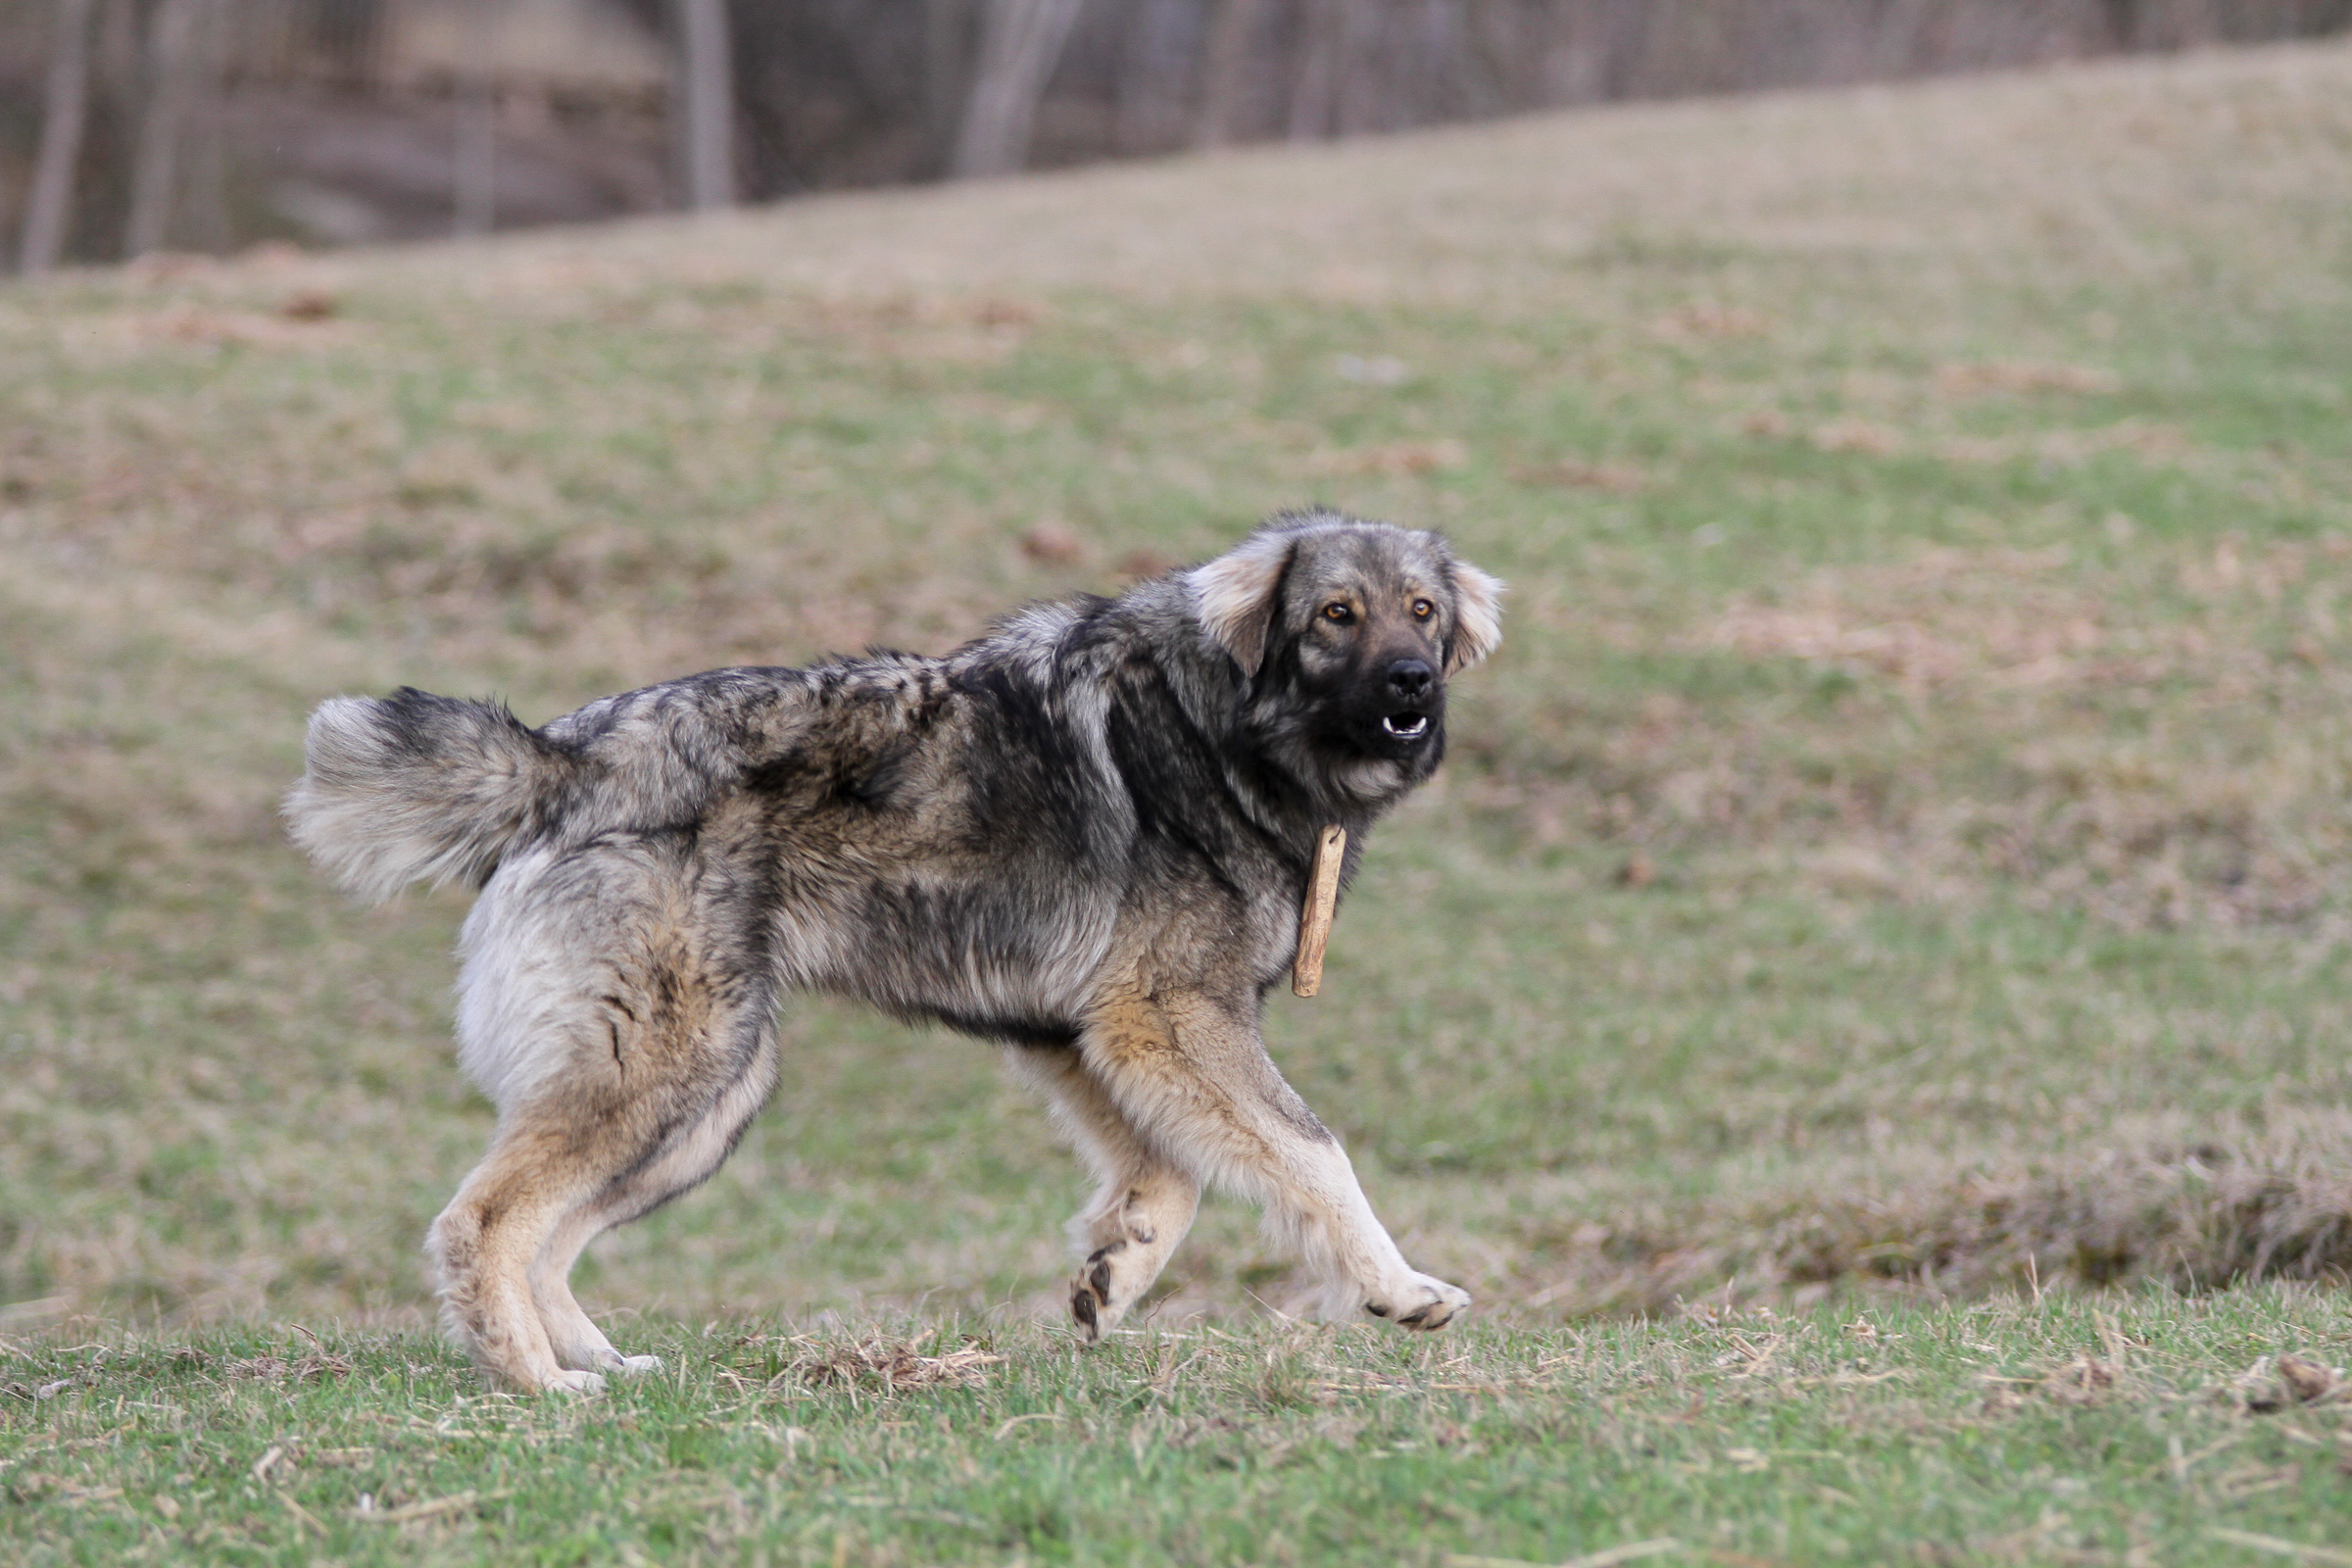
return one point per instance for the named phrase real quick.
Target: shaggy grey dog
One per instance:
(1084, 836)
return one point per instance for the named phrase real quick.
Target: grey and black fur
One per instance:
(1084, 836)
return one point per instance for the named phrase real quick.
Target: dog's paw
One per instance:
(1423, 1304)
(1108, 1283)
(614, 1364)
(571, 1382)
(1091, 1307)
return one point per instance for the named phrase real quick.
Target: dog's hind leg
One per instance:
(1142, 1208)
(627, 1035)
(647, 1124)
(485, 1241)
(685, 1159)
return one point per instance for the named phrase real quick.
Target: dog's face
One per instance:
(1356, 626)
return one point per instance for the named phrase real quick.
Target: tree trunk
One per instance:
(947, 42)
(1156, 56)
(474, 176)
(1499, 68)
(175, 70)
(1625, 49)
(208, 219)
(1020, 42)
(1225, 78)
(49, 206)
(473, 181)
(1315, 90)
(704, 115)
(1367, 95)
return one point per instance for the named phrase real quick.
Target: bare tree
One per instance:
(473, 172)
(947, 42)
(1158, 46)
(1020, 41)
(1327, 30)
(49, 205)
(1232, 46)
(704, 107)
(176, 71)
(208, 216)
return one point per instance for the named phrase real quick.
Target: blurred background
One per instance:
(128, 127)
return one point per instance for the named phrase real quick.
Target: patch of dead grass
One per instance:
(2157, 1200)
(1610, 478)
(1981, 379)
(2004, 616)
(1395, 459)
(1977, 720)
(311, 1368)
(1716, 322)
(883, 1363)
(2152, 443)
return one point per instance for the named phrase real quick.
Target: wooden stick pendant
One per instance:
(1314, 917)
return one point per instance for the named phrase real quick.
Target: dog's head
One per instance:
(1346, 631)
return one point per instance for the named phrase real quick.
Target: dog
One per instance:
(1084, 837)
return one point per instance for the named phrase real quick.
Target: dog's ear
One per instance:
(1477, 617)
(1234, 596)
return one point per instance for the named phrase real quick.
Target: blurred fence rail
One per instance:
(129, 126)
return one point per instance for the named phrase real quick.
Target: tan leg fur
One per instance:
(1138, 1215)
(1189, 1076)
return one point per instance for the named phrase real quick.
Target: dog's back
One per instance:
(419, 788)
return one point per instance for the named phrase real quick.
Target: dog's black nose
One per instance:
(1411, 678)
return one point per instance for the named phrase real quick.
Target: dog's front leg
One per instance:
(1141, 1209)
(1191, 1074)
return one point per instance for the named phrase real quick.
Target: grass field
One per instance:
(1870, 1028)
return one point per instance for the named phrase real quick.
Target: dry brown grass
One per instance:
(2158, 1202)
(884, 1363)
(2220, 807)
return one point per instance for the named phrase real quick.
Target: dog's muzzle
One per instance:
(1413, 688)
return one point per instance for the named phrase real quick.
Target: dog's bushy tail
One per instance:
(414, 787)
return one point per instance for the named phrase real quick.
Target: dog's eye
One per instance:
(1337, 614)
(1423, 610)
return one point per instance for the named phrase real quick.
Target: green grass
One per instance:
(2151, 1428)
(1897, 866)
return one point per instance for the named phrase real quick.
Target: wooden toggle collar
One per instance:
(1314, 917)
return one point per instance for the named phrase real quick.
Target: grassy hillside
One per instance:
(1900, 853)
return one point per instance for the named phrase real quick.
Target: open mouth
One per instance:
(1405, 726)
